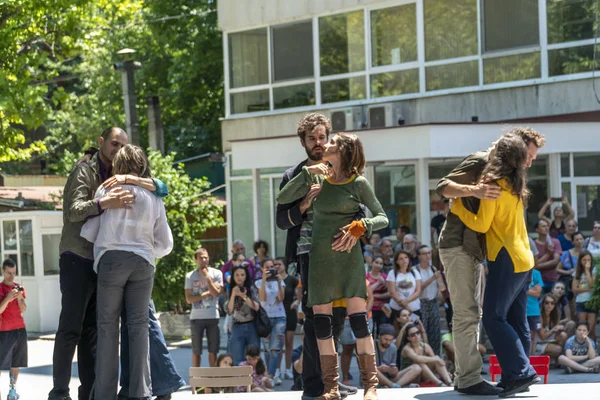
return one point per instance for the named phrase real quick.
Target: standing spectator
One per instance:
(567, 264)
(404, 285)
(370, 250)
(549, 255)
(559, 292)
(583, 286)
(410, 245)
(202, 288)
(291, 300)
(377, 282)
(580, 352)
(430, 289)
(557, 226)
(261, 253)
(243, 303)
(13, 336)
(592, 244)
(386, 251)
(550, 339)
(438, 222)
(401, 232)
(566, 240)
(271, 292)
(238, 247)
(414, 351)
(387, 370)
(533, 307)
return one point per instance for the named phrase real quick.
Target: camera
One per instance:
(272, 275)
(18, 288)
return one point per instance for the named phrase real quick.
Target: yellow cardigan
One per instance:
(503, 222)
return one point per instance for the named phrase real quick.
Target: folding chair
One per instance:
(220, 377)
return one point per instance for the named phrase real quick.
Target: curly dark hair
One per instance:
(309, 122)
(352, 153)
(507, 161)
(528, 135)
(260, 243)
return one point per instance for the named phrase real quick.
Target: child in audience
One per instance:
(580, 352)
(260, 379)
(223, 361)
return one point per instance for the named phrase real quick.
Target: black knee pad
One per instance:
(323, 330)
(360, 325)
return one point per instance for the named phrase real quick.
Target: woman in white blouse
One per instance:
(127, 242)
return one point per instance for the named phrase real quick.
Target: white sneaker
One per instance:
(289, 374)
(277, 377)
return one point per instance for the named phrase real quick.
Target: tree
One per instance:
(189, 214)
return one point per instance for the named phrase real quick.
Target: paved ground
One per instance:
(36, 381)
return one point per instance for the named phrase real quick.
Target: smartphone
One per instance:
(558, 199)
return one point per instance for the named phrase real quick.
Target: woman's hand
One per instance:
(116, 180)
(319, 169)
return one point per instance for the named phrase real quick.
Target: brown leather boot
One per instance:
(368, 375)
(329, 368)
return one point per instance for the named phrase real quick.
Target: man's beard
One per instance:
(312, 155)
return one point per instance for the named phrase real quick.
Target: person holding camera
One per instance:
(271, 292)
(13, 336)
(202, 288)
(242, 306)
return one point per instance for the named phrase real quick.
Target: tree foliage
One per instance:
(189, 214)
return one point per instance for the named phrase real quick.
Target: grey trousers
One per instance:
(124, 280)
(466, 283)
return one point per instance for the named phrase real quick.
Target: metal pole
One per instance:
(130, 100)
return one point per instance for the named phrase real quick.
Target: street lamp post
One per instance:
(127, 68)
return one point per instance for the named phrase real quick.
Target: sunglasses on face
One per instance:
(414, 334)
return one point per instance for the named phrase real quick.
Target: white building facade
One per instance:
(423, 82)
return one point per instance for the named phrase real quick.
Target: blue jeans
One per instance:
(505, 317)
(242, 335)
(164, 376)
(273, 344)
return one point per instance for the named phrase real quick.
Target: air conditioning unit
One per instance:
(381, 116)
(346, 119)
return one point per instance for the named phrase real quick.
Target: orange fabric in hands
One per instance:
(357, 228)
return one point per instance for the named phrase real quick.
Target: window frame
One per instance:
(543, 48)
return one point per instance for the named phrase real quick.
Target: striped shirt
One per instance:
(304, 241)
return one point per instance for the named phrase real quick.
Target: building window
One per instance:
(455, 75)
(342, 43)
(248, 58)
(292, 51)
(517, 67)
(343, 90)
(572, 60)
(394, 35)
(242, 218)
(565, 165)
(26, 248)
(10, 235)
(395, 83)
(395, 188)
(266, 213)
(51, 254)
(510, 24)
(569, 21)
(586, 164)
(294, 96)
(246, 102)
(450, 29)
(280, 234)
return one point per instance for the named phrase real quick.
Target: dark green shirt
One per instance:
(454, 233)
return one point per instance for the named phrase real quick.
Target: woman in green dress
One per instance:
(335, 275)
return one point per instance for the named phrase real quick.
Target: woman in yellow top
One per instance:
(509, 262)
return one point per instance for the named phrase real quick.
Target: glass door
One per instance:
(587, 206)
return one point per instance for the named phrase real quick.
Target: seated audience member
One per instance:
(415, 351)
(580, 352)
(557, 226)
(260, 379)
(387, 371)
(370, 250)
(448, 352)
(551, 337)
(297, 365)
(583, 286)
(405, 318)
(223, 361)
(564, 311)
(533, 306)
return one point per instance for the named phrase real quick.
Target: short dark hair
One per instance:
(310, 121)
(8, 263)
(537, 223)
(421, 247)
(582, 323)
(260, 243)
(106, 133)
(404, 228)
